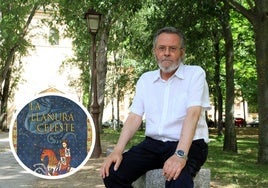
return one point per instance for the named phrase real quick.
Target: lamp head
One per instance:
(93, 20)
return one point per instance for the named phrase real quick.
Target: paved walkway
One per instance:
(12, 175)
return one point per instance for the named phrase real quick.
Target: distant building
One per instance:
(42, 65)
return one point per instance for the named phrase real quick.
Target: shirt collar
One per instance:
(178, 73)
(180, 70)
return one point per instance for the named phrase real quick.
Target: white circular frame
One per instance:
(72, 171)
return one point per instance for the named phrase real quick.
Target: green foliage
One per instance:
(15, 18)
(133, 24)
(114, 14)
(245, 61)
(12, 25)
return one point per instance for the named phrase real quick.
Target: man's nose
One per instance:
(167, 51)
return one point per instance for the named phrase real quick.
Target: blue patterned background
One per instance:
(31, 142)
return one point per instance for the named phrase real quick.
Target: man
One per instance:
(173, 100)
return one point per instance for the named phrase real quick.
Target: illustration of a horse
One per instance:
(54, 167)
(52, 161)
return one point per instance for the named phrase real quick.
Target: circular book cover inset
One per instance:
(52, 136)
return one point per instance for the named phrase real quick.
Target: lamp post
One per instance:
(93, 22)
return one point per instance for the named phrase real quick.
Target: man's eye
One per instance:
(162, 48)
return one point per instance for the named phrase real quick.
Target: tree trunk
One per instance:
(4, 101)
(101, 79)
(258, 16)
(118, 108)
(261, 42)
(102, 67)
(217, 84)
(230, 143)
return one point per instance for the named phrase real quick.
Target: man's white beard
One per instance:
(169, 69)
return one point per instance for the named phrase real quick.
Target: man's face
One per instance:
(64, 144)
(168, 52)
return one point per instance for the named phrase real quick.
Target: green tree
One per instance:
(245, 61)
(15, 19)
(112, 12)
(256, 13)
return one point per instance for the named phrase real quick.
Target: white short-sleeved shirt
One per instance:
(165, 103)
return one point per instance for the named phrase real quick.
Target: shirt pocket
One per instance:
(178, 104)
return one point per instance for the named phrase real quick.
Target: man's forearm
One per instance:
(130, 127)
(188, 129)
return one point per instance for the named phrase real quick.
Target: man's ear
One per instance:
(154, 52)
(183, 53)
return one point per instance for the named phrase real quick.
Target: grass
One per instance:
(227, 169)
(237, 169)
(110, 137)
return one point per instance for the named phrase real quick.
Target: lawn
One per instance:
(237, 169)
(231, 170)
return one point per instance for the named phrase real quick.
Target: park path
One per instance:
(12, 175)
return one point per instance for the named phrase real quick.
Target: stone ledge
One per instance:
(155, 179)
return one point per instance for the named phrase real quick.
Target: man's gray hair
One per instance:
(171, 30)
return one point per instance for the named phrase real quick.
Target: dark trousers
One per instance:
(152, 154)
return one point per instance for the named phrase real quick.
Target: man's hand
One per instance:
(173, 166)
(114, 157)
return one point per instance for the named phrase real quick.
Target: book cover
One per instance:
(52, 136)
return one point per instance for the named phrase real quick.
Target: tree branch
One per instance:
(25, 29)
(13, 50)
(248, 13)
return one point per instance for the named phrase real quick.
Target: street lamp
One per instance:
(93, 22)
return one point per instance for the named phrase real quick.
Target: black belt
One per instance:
(194, 141)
